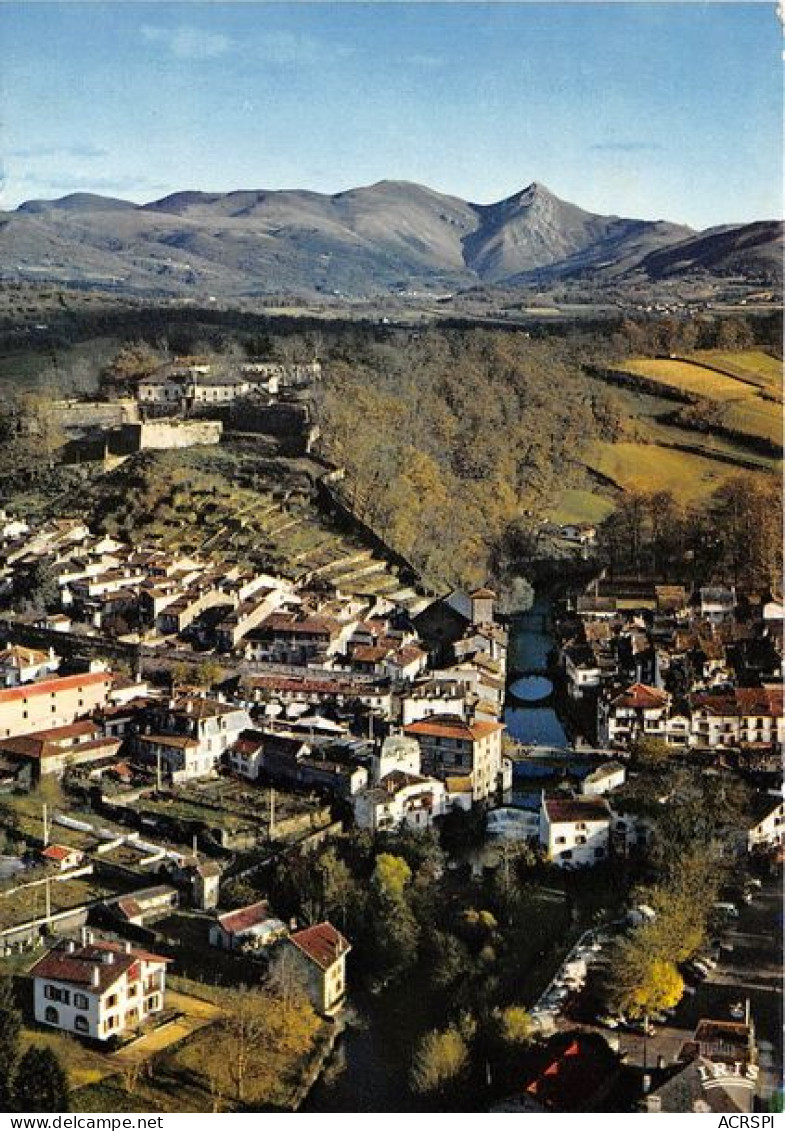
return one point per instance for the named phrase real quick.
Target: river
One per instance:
(529, 719)
(371, 1064)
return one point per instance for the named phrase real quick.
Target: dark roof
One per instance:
(77, 966)
(565, 809)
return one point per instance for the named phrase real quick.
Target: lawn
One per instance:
(580, 505)
(84, 1066)
(649, 467)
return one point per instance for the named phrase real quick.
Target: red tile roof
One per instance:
(453, 726)
(76, 967)
(59, 852)
(641, 696)
(235, 922)
(47, 686)
(321, 943)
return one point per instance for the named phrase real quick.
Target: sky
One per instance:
(646, 109)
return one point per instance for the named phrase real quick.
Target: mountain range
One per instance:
(391, 235)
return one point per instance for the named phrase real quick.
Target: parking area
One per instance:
(748, 968)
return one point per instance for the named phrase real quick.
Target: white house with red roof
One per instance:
(316, 956)
(575, 831)
(23, 665)
(248, 927)
(53, 702)
(98, 989)
(640, 711)
(61, 856)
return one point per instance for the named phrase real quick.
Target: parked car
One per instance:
(729, 910)
(608, 1021)
(737, 1010)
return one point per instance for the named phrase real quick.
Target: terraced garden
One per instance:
(237, 507)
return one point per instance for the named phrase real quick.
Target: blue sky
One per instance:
(642, 109)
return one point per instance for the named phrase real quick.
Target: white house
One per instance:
(768, 828)
(583, 671)
(575, 832)
(400, 800)
(23, 665)
(316, 956)
(190, 736)
(607, 777)
(98, 989)
(639, 712)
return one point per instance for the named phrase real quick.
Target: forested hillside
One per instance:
(450, 439)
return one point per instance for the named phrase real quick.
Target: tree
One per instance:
(391, 875)
(640, 982)
(651, 752)
(241, 1059)
(39, 589)
(514, 1025)
(41, 1082)
(440, 1058)
(10, 1030)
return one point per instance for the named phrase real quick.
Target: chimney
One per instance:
(653, 1104)
(127, 947)
(87, 936)
(70, 946)
(108, 958)
(646, 1084)
(96, 976)
(660, 1061)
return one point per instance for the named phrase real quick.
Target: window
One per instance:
(81, 1024)
(81, 1001)
(51, 1016)
(567, 855)
(580, 840)
(561, 840)
(111, 1023)
(110, 1001)
(133, 990)
(54, 993)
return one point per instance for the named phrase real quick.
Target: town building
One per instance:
(50, 703)
(23, 665)
(97, 989)
(247, 928)
(316, 957)
(575, 832)
(453, 747)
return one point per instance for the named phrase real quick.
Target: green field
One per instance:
(755, 417)
(649, 467)
(756, 366)
(688, 378)
(748, 407)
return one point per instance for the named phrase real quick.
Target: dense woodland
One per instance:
(449, 439)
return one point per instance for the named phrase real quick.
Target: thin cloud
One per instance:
(65, 182)
(87, 152)
(189, 42)
(625, 146)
